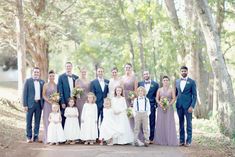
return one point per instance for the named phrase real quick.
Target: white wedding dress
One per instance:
(119, 107)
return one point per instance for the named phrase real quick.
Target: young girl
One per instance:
(55, 130)
(108, 128)
(89, 130)
(122, 122)
(71, 128)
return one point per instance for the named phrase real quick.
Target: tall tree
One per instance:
(226, 107)
(21, 56)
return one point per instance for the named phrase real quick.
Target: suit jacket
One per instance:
(151, 95)
(29, 93)
(188, 97)
(100, 95)
(63, 87)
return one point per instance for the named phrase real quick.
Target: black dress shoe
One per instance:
(181, 144)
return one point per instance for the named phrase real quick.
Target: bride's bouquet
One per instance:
(129, 112)
(165, 103)
(77, 92)
(54, 97)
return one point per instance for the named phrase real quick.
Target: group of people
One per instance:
(116, 111)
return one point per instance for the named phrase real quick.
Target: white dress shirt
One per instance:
(37, 90)
(183, 82)
(102, 83)
(147, 86)
(70, 79)
(141, 101)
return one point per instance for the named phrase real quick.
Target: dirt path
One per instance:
(40, 150)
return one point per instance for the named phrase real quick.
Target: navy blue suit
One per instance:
(151, 95)
(64, 90)
(185, 99)
(100, 95)
(34, 107)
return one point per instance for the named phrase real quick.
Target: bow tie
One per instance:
(141, 97)
(69, 76)
(36, 80)
(147, 82)
(183, 79)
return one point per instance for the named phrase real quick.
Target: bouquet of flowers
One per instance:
(77, 92)
(131, 95)
(129, 112)
(165, 103)
(54, 97)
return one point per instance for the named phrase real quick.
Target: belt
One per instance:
(37, 101)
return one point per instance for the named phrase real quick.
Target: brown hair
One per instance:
(107, 100)
(115, 94)
(92, 94)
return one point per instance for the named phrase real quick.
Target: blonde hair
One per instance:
(107, 100)
(56, 105)
(91, 94)
(141, 88)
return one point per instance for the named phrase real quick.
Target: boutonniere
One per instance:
(151, 85)
(106, 83)
(188, 82)
(41, 82)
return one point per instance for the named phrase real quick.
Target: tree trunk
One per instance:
(172, 13)
(226, 99)
(220, 15)
(141, 47)
(196, 69)
(126, 27)
(21, 56)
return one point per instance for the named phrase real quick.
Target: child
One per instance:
(55, 130)
(71, 127)
(119, 107)
(142, 111)
(89, 130)
(108, 128)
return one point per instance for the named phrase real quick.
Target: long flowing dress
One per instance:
(82, 100)
(112, 85)
(165, 131)
(47, 110)
(108, 127)
(55, 130)
(89, 130)
(129, 85)
(71, 127)
(122, 122)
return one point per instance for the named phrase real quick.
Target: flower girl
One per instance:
(55, 130)
(108, 128)
(71, 127)
(120, 110)
(89, 130)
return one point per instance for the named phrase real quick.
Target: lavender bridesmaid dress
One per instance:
(47, 110)
(165, 131)
(129, 85)
(82, 100)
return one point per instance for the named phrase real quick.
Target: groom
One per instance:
(99, 87)
(33, 104)
(186, 100)
(66, 83)
(151, 88)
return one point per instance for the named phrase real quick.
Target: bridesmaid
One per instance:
(48, 89)
(114, 82)
(84, 83)
(165, 132)
(130, 83)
